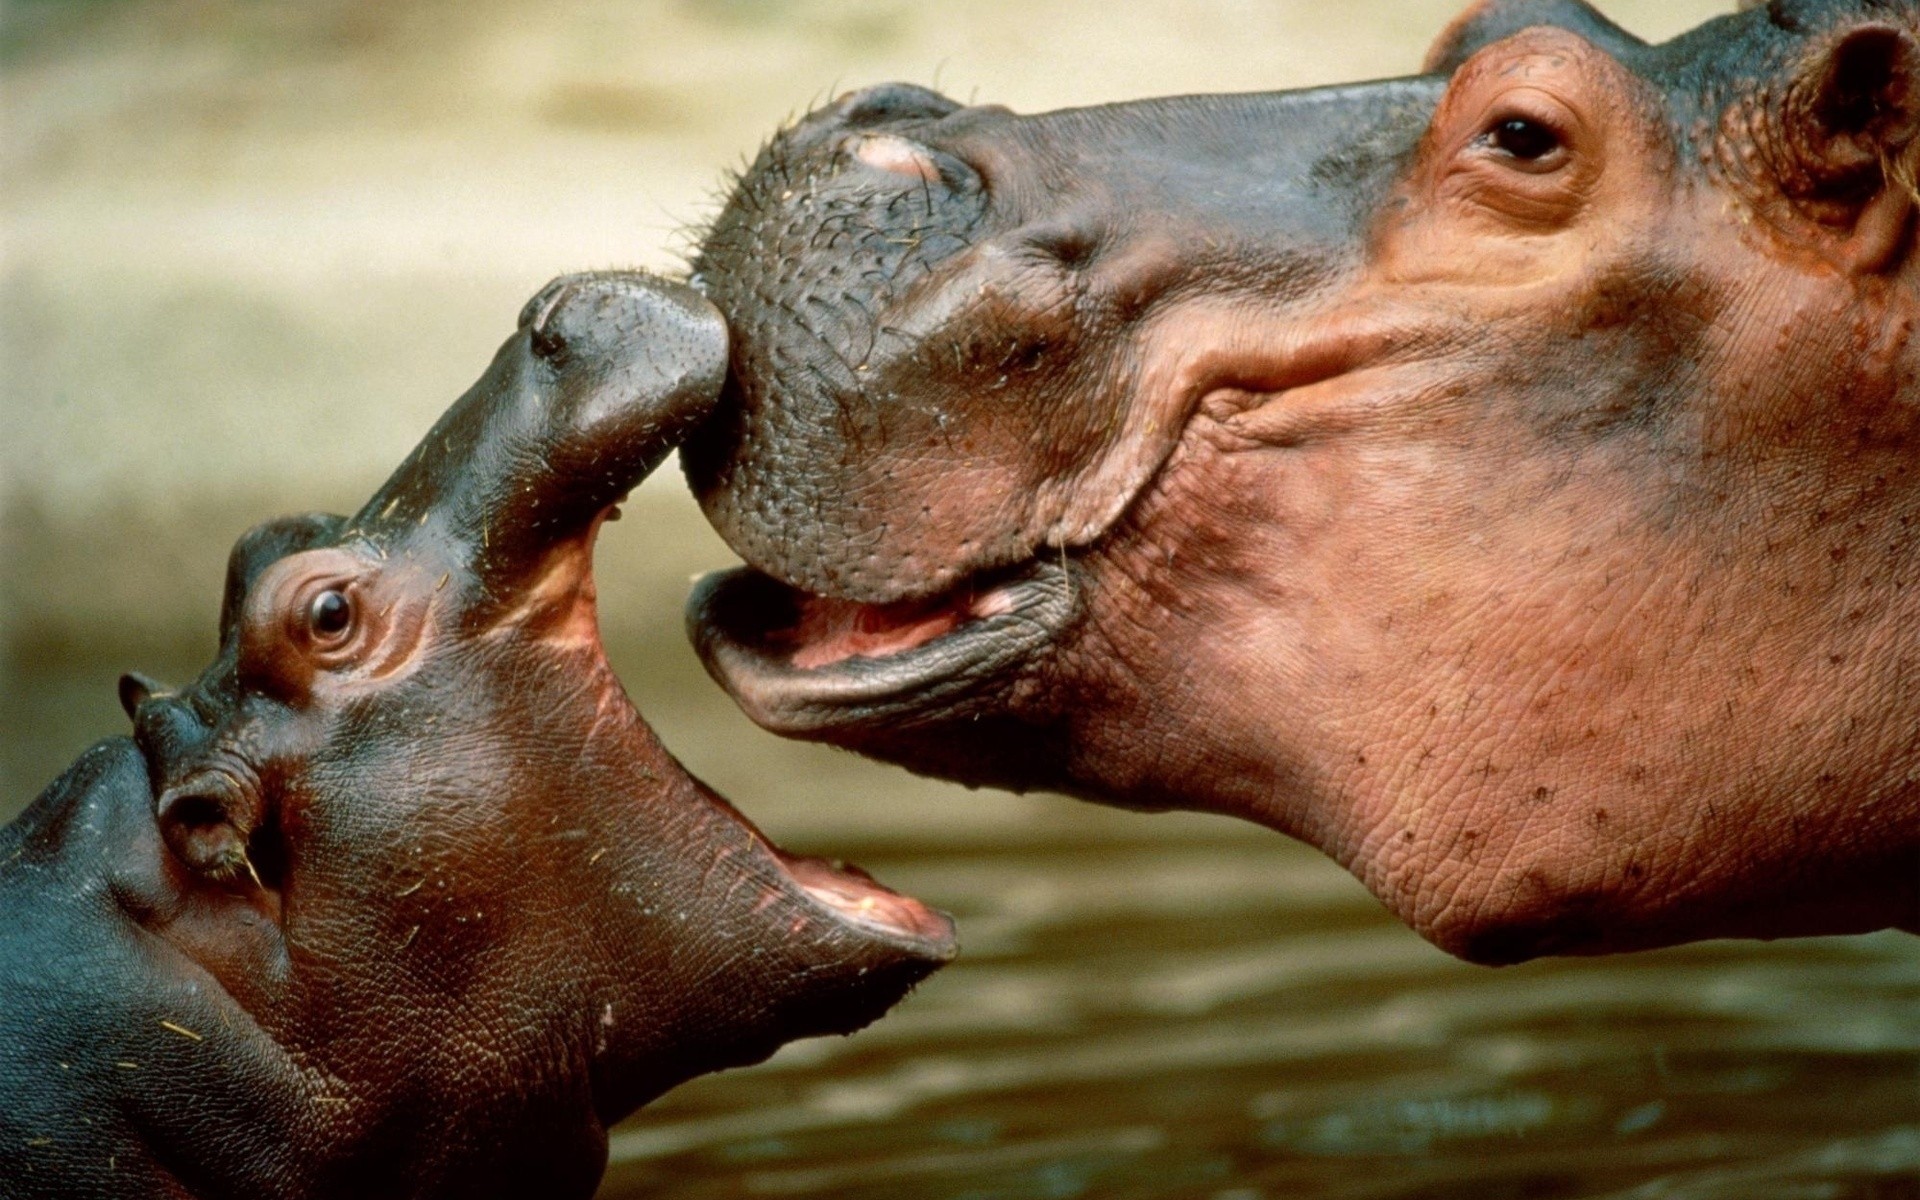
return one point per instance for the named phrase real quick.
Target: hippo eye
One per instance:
(1528, 141)
(330, 613)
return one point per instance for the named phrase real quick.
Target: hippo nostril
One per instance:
(542, 301)
(165, 724)
(548, 344)
(1072, 244)
(537, 318)
(191, 809)
(889, 102)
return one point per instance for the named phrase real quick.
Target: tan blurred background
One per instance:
(250, 251)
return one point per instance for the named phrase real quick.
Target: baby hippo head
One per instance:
(415, 829)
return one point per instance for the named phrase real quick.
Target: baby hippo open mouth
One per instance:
(402, 897)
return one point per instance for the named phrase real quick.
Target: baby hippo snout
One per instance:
(606, 374)
(593, 322)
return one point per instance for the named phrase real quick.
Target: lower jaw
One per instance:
(857, 899)
(802, 665)
(834, 907)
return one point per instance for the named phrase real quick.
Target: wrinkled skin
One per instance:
(1502, 478)
(401, 897)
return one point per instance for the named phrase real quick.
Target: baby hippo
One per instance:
(401, 897)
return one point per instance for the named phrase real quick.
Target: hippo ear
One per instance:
(1851, 125)
(607, 373)
(136, 689)
(1491, 20)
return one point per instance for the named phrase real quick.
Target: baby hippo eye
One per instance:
(330, 613)
(1528, 141)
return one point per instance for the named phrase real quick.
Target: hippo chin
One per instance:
(1506, 479)
(401, 897)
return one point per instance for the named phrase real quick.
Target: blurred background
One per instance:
(250, 251)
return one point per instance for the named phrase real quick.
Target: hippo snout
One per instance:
(659, 340)
(606, 373)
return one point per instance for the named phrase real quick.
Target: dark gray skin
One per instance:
(1501, 478)
(401, 897)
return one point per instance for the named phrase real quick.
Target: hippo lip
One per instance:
(801, 663)
(852, 897)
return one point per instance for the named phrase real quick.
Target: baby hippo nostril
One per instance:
(547, 344)
(894, 154)
(542, 304)
(605, 316)
(206, 821)
(538, 318)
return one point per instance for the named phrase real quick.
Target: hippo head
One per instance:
(468, 911)
(1501, 477)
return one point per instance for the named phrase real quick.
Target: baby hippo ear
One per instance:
(608, 372)
(1490, 21)
(1851, 123)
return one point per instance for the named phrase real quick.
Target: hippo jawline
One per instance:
(800, 662)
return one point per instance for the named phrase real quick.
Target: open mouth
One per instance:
(800, 663)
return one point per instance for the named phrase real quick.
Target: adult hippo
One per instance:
(401, 897)
(1506, 479)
